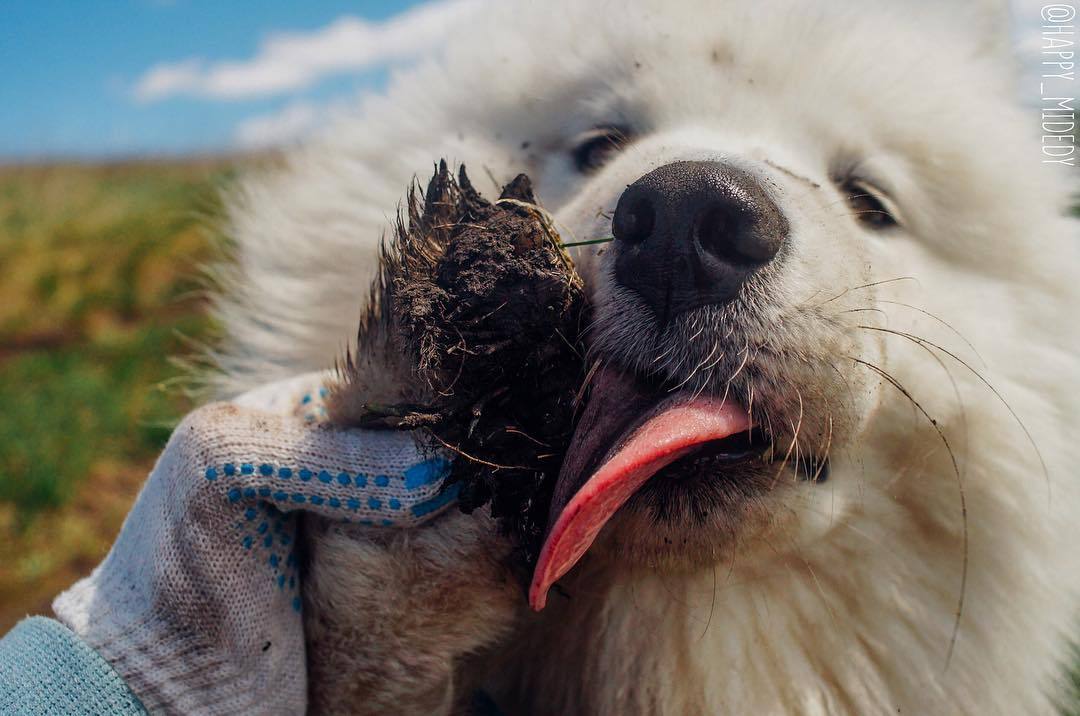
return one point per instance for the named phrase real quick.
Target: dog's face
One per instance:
(799, 206)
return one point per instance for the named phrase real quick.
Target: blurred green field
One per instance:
(100, 287)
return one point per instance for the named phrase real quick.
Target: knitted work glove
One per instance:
(198, 605)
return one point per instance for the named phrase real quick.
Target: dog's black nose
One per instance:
(689, 234)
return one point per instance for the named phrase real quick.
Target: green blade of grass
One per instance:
(589, 242)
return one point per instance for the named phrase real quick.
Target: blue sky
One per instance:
(113, 78)
(71, 71)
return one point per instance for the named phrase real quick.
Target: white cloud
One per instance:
(287, 62)
(164, 80)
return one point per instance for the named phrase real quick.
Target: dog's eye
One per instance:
(869, 205)
(596, 147)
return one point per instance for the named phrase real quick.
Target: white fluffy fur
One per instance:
(850, 607)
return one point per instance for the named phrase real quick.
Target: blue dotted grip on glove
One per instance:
(417, 476)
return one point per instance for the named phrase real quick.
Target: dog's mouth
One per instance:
(630, 434)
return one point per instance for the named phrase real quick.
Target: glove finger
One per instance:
(381, 478)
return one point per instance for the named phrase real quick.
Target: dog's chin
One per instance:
(704, 510)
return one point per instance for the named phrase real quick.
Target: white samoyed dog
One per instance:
(830, 220)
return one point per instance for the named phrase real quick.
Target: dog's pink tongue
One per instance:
(580, 512)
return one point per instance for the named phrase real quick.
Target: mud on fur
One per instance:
(478, 314)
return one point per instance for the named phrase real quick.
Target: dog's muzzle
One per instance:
(687, 234)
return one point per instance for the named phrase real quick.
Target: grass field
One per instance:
(100, 286)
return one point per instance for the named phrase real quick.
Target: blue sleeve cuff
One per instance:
(45, 670)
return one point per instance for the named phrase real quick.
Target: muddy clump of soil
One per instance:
(485, 304)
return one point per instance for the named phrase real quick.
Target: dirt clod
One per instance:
(487, 306)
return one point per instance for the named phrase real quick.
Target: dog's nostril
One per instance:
(729, 233)
(714, 232)
(634, 220)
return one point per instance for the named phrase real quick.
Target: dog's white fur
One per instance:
(849, 605)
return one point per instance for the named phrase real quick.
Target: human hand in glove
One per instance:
(200, 604)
